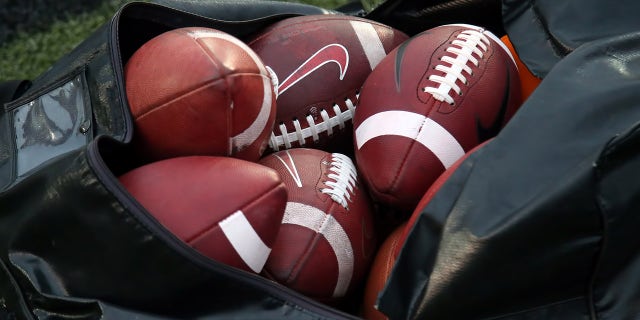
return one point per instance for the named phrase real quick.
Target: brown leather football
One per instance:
(227, 209)
(380, 271)
(432, 99)
(327, 238)
(388, 252)
(320, 63)
(199, 91)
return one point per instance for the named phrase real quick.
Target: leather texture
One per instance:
(325, 247)
(321, 62)
(215, 193)
(381, 268)
(399, 157)
(199, 91)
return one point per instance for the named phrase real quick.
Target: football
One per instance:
(380, 271)
(327, 238)
(319, 63)
(388, 252)
(427, 103)
(228, 209)
(199, 91)
(528, 81)
(435, 188)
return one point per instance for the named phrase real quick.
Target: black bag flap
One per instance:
(242, 10)
(539, 222)
(544, 31)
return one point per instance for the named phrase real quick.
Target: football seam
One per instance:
(216, 225)
(192, 90)
(304, 259)
(214, 59)
(389, 191)
(430, 106)
(309, 250)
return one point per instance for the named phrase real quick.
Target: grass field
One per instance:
(30, 49)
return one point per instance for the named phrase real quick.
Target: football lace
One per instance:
(313, 130)
(342, 181)
(466, 44)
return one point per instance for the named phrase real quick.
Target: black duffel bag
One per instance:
(542, 222)
(539, 223)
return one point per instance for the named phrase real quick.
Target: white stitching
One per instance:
(313, 129)
(469, 42)
(312, 126)
(342, 181)
(325, 119)
(296, 125)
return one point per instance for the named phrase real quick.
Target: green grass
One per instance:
(29, 53)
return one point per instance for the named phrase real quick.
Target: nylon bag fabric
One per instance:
(542, 222)
(537, 224)
(415, 16)
(543, 32)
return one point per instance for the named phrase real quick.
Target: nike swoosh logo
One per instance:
(399, 58)
(335, 53)
(485, 133)
(292, 169)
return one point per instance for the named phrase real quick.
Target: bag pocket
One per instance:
(52, 124)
